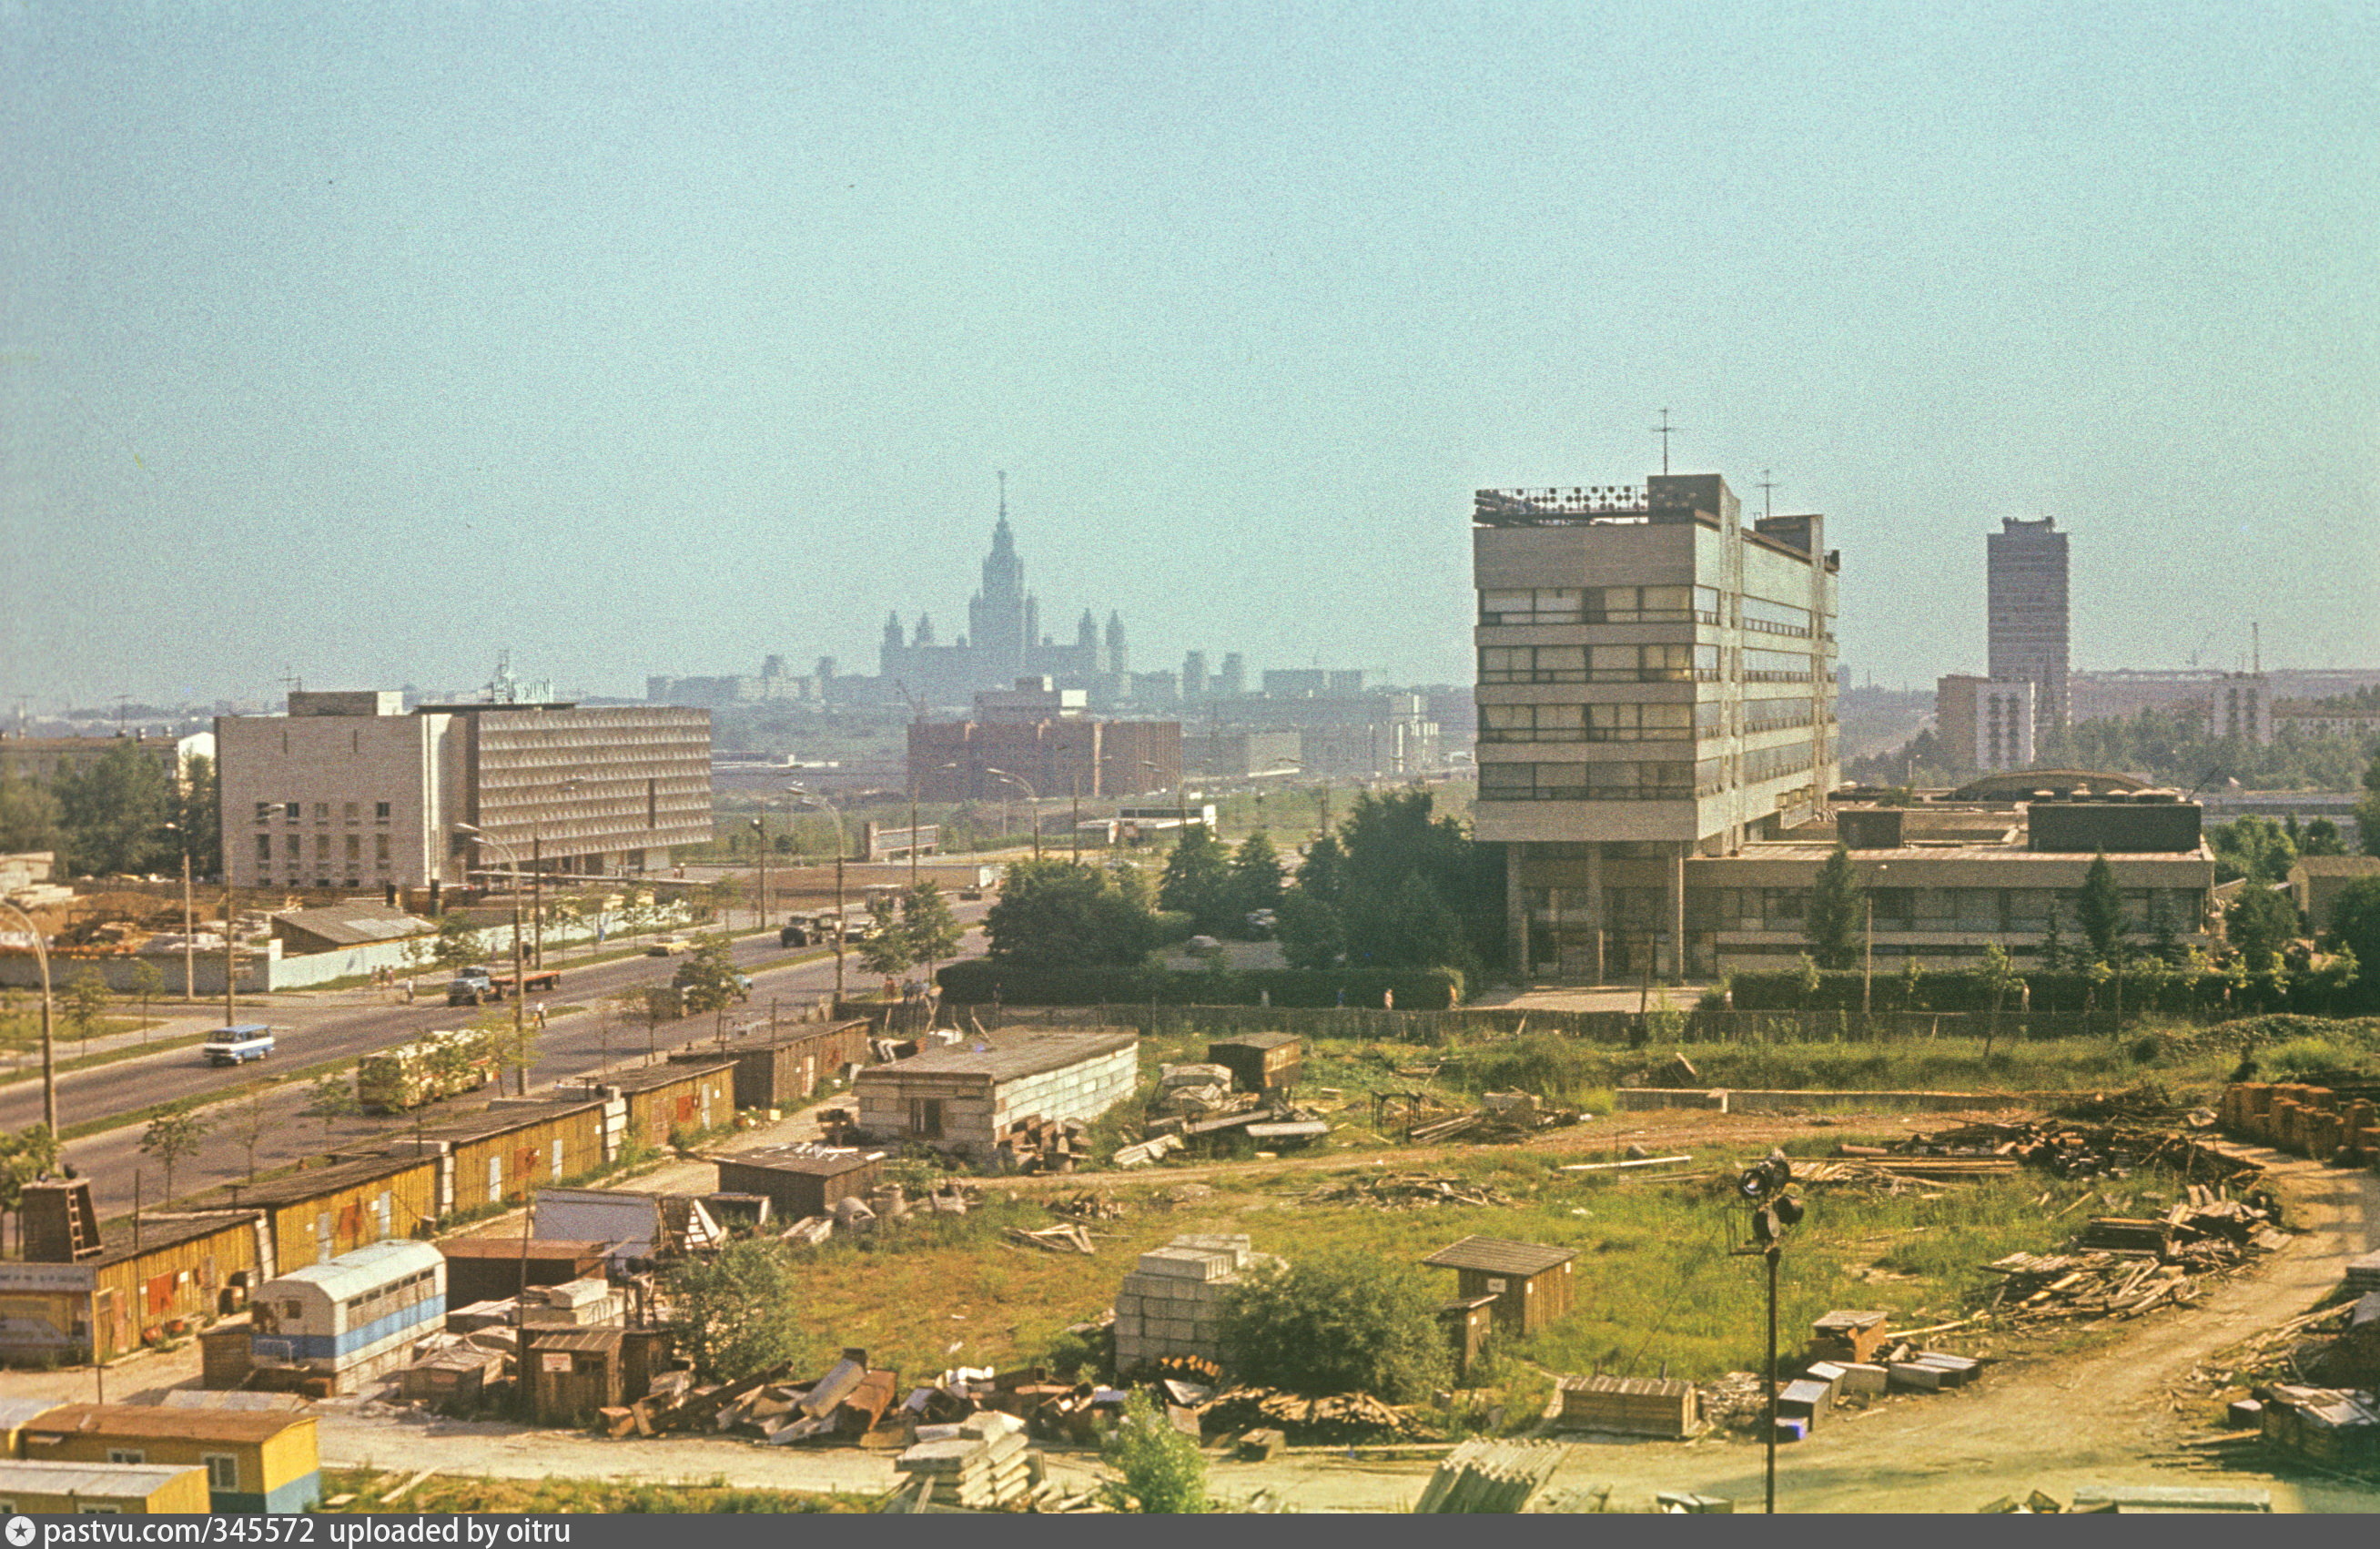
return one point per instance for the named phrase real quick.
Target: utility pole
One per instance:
(231, 949)
(49, 1052)
(1078, 819)
(762, 903)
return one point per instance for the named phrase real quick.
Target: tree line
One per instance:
(121, 814)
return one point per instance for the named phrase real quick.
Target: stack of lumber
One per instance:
(1037, 1144)
(1066, 1236)
(1629, 1406)
(1407, 1190)
(1334, 1420)
(2061, 1147)
(1483, 1477)
(986, 1466)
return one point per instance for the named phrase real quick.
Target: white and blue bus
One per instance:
(352, 1318)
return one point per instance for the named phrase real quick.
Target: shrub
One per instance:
(1340, 1322)
(978, 981)
(1164, 1471)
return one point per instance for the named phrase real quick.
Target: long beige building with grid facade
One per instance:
(349, 790)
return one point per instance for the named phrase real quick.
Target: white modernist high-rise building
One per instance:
(2026, 606)
(1656, 682)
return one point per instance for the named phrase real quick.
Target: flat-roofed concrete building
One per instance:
(348, 790)
(1655, 683)
(1984, 724)
(966, 1099)
(1039, 735)
(2026, 600)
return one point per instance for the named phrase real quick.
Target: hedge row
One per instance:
(978, 981)
(1842, 990)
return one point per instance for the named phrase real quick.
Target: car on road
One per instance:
(666, 945)
(237, 1045)
(796, 934)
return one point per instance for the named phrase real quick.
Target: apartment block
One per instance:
(347, 789)
(2025, 598)
(1656, 682)
(1986, 724)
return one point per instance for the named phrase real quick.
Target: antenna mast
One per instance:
(2256, 645)
(1662, 430)
(1767, 486)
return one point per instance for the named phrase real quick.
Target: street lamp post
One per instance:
(810, 798)
(1032, 800)
(520, 974)
(760, 882)
(190, 948)
(48, 1051)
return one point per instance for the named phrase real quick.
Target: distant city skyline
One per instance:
(365, 344)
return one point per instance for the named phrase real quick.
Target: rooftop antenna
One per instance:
(2256, 644)
(1767, 485)
(1662, 430)
(1003, 494)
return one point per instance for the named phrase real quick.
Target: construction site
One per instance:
(991, 1242)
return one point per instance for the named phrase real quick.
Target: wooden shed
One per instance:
(1465, 1320)
(670, 1101)
(789, 1068)
(318, 1212)
(177, 1276)
(964, 1098)
(1260, 1061)
(569, 1373)
(1530, 1282)
(494, 1159)
(1850, 1336)
(492, 1269)
(799, 1180)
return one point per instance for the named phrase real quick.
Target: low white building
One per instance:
(964, 1099)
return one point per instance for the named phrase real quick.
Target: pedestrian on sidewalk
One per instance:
(540, 1016)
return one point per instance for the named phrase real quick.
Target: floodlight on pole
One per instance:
(49, 1049)
(520, 973)
(1032, 798)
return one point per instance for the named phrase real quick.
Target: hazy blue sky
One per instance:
(367, 340)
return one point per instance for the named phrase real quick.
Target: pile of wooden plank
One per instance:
(1037, 1144)
(1335, 1419)
(984, 1466)
(1065, 1237)
(1629, 1406)
(2062, 1148)
(1485, 1477)
(1408, 1191)
(1502, 1116)
(841, 1408)
(1089, 1205)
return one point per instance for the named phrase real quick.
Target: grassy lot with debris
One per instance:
(440, 1493)
(1657, 1287)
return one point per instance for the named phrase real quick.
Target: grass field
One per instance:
(444, 1493)
(1657, 1289)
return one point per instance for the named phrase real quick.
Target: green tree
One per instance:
(933, 932)
(330, 1098)
(2367, 809)
(148, 983)
(1165, 1473)
(1312, 936)
(25, 1155)
(1913, 984)
(115, 812)
(197, 810)
(86, 1001)
(1256, 877)
(1810, 980)
(2259, 922)
(885, 949)
(1411, 928)
(2259, 849)
(173, 1137)
(1999, 981)
(457, 944)
(250, 1121)
(29, 818)
(513, 1040)
(2054, 951)
(1056, 914)
(1389, 838)
(1198, 879)
(708, 977)
(2355, 925)
(2099, 910)
(1322, 875)
(737, 1312)
(1337, 1322)
(2322, 837)
(1837, 913)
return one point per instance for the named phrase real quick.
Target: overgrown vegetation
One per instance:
(1164, 1470)
(1336, 1322)
(451, 1493)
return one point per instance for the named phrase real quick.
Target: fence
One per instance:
(1600, 1027)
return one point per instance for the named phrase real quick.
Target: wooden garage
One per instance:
(790, 1068)
(1530, 1281)
(569, 1373)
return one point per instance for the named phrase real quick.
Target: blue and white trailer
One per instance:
(354, 1317)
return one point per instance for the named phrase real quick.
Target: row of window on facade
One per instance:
(1636, 723)
(295, 812)
(1605, 605)
(1636, 664)
(1638, 780)
(1961, 911)
(296, 847)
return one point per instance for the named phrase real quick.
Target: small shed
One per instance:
(456, 1375)
(569, 1373)
(1263, 1062)
(800, 1181)
(965, 1097)
(667, 1102)
(1530, 1281)
(1467, 1320)
(492, 1269)
(1848, 1336)
(789, 1068)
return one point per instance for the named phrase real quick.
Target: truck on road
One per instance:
(412, 1075)
(472, 985)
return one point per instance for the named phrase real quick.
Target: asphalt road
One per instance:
(251, 1103)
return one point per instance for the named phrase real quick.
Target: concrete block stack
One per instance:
(980, 1465)
(1171, 1302)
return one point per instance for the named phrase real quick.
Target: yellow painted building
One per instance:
(665, 1100)
(32, 1489)
(316, 1213)
(177, 1276)
(253, 1461)
(493, 1157)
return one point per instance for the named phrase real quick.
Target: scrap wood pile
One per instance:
(2120, 1266)
(1408, 1191)
(1333, 1420)
(1037, 1144)
(1089, 1205)
(1500, 1116)
(842, 1407)
(979, 1464)
(1490, 1477)
(2063, 1148)
(2301, 1348)
(1065, 1237)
